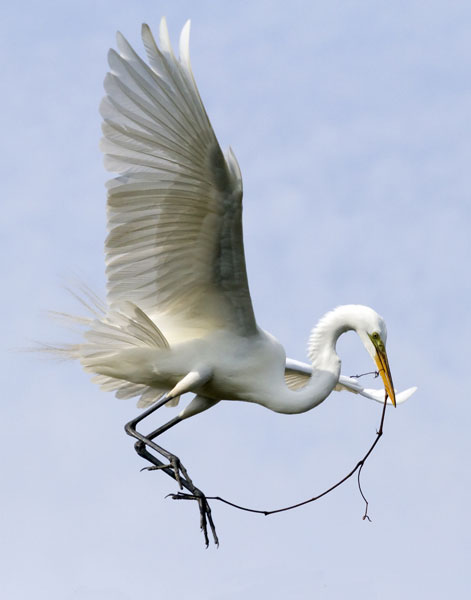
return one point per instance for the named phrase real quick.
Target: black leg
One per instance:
(174, 468)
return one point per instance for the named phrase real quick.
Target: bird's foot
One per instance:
(205, 513)
(177, 467)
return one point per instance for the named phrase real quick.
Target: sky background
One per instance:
(351, 122)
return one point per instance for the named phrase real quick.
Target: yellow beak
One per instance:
(381, 360)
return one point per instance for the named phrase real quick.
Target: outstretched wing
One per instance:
(175, 245)
(297, 374)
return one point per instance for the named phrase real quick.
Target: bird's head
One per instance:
(371, 329)
(369, 326)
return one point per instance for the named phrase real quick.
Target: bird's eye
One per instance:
(375, 335)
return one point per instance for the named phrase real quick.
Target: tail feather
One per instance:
(89, 300)
(126, 326)
(123, 327)
(125, 390)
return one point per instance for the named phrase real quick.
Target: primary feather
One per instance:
(175, 245)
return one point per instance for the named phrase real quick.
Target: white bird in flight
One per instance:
(179, 316)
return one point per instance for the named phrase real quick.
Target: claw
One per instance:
(205, 513)
(154, 468)
(173, 464)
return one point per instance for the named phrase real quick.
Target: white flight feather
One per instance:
(175, 245)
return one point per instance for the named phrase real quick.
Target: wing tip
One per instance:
(164, 37)
(184, 44)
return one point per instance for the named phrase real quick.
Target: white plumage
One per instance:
(179, 317)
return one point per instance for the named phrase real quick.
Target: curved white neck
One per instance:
(325, 363)
(324, 336)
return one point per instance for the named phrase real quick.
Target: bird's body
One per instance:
(249, 369)
(226, 365)
(179, 316)
(178, 295)
(236, 365)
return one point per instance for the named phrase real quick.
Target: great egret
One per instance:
(179, 317)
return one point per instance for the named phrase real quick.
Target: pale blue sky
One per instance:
(352, 125)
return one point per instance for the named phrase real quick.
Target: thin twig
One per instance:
(358, 467)
(375, 373)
